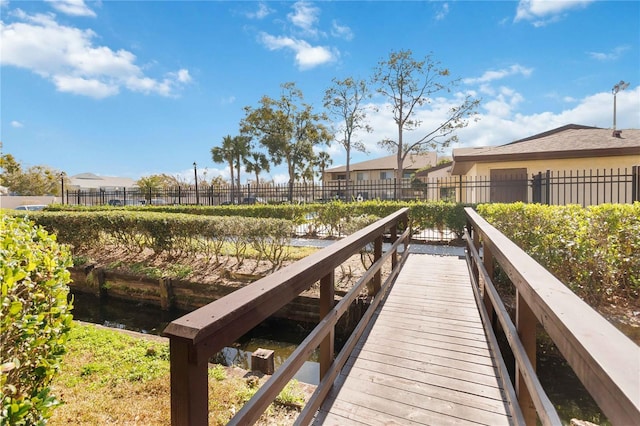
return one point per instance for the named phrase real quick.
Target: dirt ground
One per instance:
(226, 271)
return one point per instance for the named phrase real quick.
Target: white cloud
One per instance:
(341, 31)
(306, 55)
(594, 110)
(17, 124)
(609, 56)
(4, 3)
(72, 7)
(543, 12)
(500, 123)
(305, 17)
(68, 57)
(491, 75)
(443, 12)
(85, 86)
(262, 12)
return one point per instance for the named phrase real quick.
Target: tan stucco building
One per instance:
(375, 178)
(573, 157)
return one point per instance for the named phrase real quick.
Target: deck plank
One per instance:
(424, 359)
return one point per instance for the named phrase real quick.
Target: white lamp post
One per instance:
(618, 87)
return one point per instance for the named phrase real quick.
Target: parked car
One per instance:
(31, 207)
(253, 200)
(115, 202)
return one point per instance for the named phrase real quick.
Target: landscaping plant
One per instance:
(35, 319)
(595, 251)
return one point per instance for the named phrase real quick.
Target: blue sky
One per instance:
(126, 88)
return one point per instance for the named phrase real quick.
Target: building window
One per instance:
(360, 176)
(386, 175)
(407, 175)
(341, 177)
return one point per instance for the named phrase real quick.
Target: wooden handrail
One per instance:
(603, 358)
(197, 336)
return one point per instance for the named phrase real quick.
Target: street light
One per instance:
(62, 175)
(195, 174)
(618, 87)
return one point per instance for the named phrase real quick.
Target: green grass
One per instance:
(111, 377)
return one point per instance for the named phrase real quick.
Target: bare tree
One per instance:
(408, 85)
(345, 102)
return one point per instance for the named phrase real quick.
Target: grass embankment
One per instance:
(111, 377)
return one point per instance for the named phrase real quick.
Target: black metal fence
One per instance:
(584, 187)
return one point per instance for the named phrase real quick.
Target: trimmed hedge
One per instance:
(335, 215)
(595, 251)
(35, 319)
(174, 234)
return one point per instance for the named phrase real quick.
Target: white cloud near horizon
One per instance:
(72, 7)
(306, 55)
(543, 12)
(499, 120)
(17, 124)
(68, 58)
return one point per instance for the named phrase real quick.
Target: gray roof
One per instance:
(571, 141)
(412, 162)
(90, 180)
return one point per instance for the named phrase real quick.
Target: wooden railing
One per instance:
(604, 359)
(197, 336)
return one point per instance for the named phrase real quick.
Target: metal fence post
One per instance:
(635, 184)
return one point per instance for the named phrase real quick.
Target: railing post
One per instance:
(327, 290)
(189, 386)
(526, 325)
(377, 254)
(394, 236)
(487, 260)
(476, 243)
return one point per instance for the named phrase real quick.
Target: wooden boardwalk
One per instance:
(424, 358)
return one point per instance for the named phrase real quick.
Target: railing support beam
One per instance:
(526, 325)
(377, 254)
(189, 386)
(327, 349)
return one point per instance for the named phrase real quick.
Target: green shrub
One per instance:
(595, 251)
(35, 319)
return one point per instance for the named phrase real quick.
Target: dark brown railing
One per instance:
(197, 336)
(604, 359)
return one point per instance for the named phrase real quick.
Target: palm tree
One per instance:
(323, 160)
(256, 162)
(225, 154)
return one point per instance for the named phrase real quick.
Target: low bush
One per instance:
(35, 319)
(177, 235)
(595, 250)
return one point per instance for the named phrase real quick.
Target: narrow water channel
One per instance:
(280, 336)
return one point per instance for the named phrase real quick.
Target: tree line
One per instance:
(287, 130)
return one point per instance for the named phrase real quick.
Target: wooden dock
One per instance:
(424, 358)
